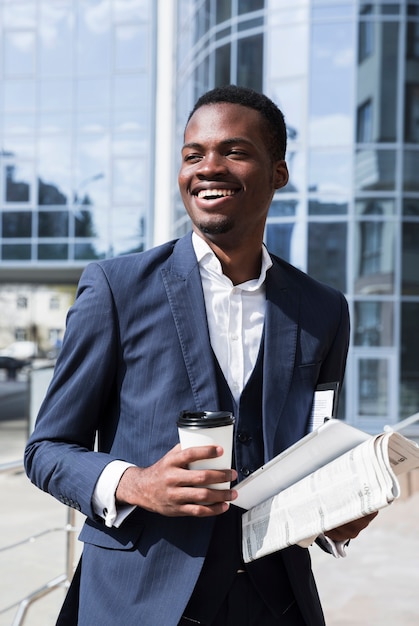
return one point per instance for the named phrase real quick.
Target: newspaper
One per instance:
(356, 483)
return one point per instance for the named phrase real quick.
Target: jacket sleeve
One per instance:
(59, 456)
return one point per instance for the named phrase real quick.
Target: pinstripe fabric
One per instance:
(136, 352)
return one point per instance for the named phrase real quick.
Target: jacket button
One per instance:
(243, 437)
(245, 471)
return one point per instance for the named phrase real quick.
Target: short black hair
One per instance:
(273, 117)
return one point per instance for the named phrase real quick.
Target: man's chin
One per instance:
(212, 230)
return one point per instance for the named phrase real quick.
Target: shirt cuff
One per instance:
(103, 500)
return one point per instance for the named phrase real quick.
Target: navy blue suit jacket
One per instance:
(136, 352)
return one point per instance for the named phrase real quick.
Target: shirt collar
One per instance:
(209, 261)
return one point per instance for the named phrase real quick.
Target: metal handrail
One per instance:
(60, 581)
(403, 424)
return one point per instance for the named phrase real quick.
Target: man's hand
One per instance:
(168, 487)
(350, 530)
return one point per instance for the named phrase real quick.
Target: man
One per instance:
(208, 322)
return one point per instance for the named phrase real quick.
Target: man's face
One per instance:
(227, 178)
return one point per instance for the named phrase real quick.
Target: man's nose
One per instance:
(213, 164)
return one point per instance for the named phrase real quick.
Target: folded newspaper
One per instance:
(334, 475)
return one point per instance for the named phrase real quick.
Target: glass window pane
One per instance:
(129, 178)
(250, 62)
(131, 91)
(92, 92)
(56, 94)
(85, 252)
(410, 170)
(373, 323)
(374, 257)
(19, 14)
(409, 363)
(222, 11)
(19, 123)
(222, 65)
(245, 6)
(375, 206)
(411, 206)
(128, 230)
(373, 387)
(329, 171)
(279, 239)
(327, 206)
(283, 208)
(410, 259)
(131, 47)
(55, 169)
(327, 253)
(18, 182)
(84, 224)
(19, 53)
(52, 251)
(16, 252)
(375, 169)
(331, 79)
(94, 41)
(411, 118)
(53, 224)
(18, 95)
(56, 41)
(17, 224)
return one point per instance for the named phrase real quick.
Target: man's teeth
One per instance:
(215, 193)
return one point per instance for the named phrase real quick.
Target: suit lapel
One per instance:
(184, 291)
(281, 330)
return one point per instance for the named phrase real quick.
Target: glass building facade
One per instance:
(78, 159)
(346, 75)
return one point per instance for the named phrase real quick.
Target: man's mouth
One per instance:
(214, 194)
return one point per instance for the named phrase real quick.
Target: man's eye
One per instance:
(236, 153)
(191, 158)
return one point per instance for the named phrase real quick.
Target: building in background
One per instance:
(94, 98)
(346, 75)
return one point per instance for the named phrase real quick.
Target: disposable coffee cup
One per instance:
(208, 428)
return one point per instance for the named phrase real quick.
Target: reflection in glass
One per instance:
(56, 94)
(18, 95)
(16, 252)
(327, 253)
(373, 324)
(128, 231)
(365, 33)
(332, 63)
(53, 224)
(17, 187)
(222, 11)
(410, 259)
(375, 206)
(56, 38)
(364, 122)
(411, 206)
(50, 194)
(84, 224)
(327, 206)
(19, 53)
(94, 40)
(283, 208)
(85, 252)
(373, 387)
(245, 6)
(329, 171)
(129, 181)
(222, 65)
(249, 62)
(410, 170)
(411, 118)
(278, 239)
(374, 257)
(409, 363)
(375, 169)
(52, 251)
(19, 123)
(92, 92)
(17, 224)
(131, 92)
(131, 47)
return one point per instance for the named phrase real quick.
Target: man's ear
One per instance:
(280, 174)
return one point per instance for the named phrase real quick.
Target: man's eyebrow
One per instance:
(229, 141)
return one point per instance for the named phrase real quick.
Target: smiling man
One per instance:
(209, 322)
